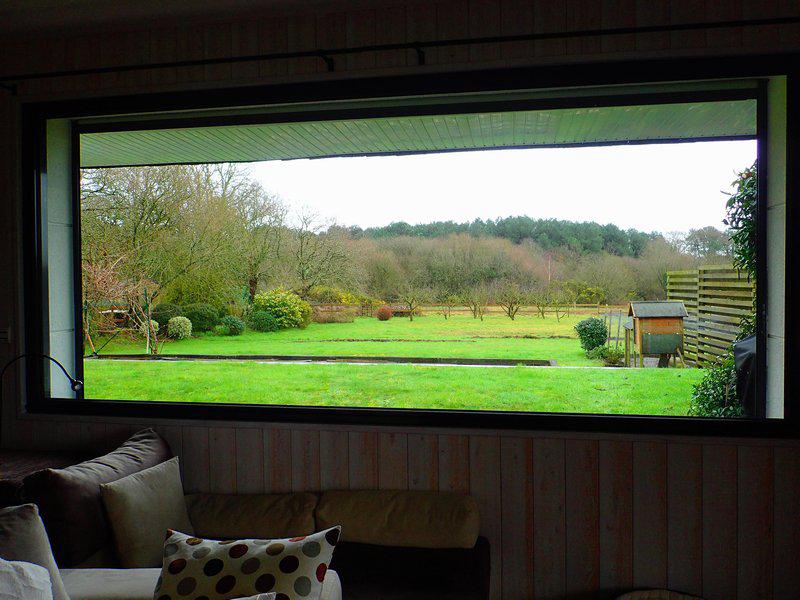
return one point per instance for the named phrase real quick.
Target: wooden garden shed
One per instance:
(655, 329)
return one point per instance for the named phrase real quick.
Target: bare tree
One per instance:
(446, 302)
(412, 298)
(510, 296)
(318, 256)
(476, 299)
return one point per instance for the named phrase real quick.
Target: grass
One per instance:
(546, 389)
(460, 336)
(578, 390)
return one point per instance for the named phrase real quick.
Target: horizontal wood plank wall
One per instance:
(577, 516)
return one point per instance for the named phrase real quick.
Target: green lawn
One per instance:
(548, 389)
(461, 336)
(594, 390)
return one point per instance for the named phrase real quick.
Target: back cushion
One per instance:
(414, 519)
(70, 502)
(236, 516)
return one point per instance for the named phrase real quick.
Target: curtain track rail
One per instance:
(10, 82)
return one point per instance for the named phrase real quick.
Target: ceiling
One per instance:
(425, 133)
(20, 17)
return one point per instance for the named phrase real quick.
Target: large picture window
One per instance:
(595, 252)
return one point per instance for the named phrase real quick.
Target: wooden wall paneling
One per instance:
(222, 460)
(720, 477)
(685, 518)
(548, 17)
(218, 43)
(727, 37)
(273, 37)
(452, 22)
(484, 486)
(616, 523)
(244, 42)
(331, 32)
(173, 435)
(360, 32)
(136, 50)
(549, 533)
(196, 459)
(420, 27)
(423, 461)
(582, 514)
(789, 34)
(454, 463)
(363, 462)
(277, 460)
(650, 515)
(392, 461)
(390, 28)
(582, 15)
(249, 460)
(649, 13)
(484, 21)
(334, 460)
(787, 524)
(618, 13)
(87, 52)
(516, 17)
(300, 36)
(305, 460)
(190, 46)
(686, 11)
(755, 491)
(766, 36)
(164, 48)
(516, 492)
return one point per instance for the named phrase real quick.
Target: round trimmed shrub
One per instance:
(179, 328)
(143, 327)
(203, 316)
(288, 309)
(263, 321)
(220, 330)
(384, 313)
(592, 333)
(233, 325)
(165, 311)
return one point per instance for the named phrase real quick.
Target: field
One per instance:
(591, 389)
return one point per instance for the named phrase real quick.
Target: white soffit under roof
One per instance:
(729, 119)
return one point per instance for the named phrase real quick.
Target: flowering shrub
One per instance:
(287, 308)
(179, 328)
(384, 313)
(263, 321)
(233, 325)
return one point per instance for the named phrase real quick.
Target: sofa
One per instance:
(393, 544)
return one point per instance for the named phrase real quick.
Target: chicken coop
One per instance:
(655, 328)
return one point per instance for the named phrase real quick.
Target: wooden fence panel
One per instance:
(716, 298)
(682, 285)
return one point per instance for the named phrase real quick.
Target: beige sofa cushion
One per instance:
(401, 518)
(139, 584)
(140, 508)
(236, 516)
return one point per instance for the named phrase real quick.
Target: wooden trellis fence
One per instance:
(716, 298)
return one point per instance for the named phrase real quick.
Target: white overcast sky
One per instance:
(660, 187)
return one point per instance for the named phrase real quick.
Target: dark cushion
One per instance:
(70, 502)
(16, 465)
(376, 572)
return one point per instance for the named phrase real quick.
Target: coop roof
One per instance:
(657, 309)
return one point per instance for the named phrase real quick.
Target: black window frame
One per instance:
(36, 114)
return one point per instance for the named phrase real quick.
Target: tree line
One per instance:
(210, 233)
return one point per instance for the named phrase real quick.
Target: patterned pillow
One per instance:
(198, 569)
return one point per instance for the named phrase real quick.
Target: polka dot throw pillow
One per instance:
(198, 569)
